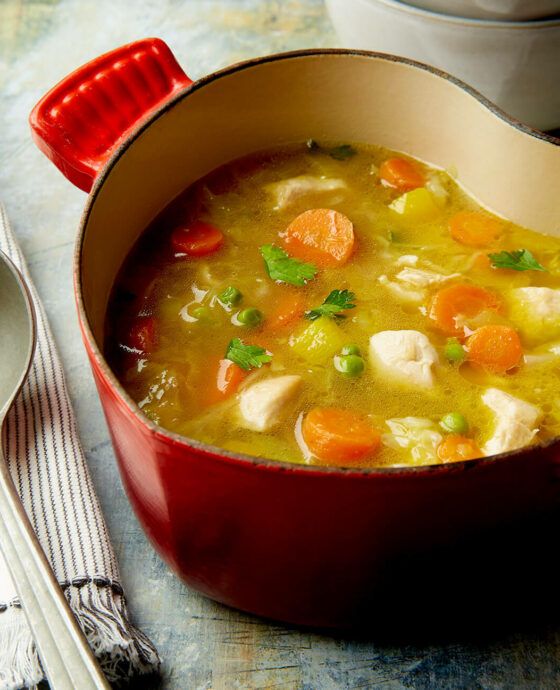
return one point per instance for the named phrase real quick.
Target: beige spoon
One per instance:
(66, 657)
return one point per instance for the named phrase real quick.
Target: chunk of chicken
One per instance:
(420, 436)
(435, 183)
(407, 260)
(405, 294)
(421, 278)
(264, 404)
(516, 421)
(287, 191)
(407, 356)
(544, 301)
(410, 283)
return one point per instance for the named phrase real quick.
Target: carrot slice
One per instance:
(288, 309)
(196, 239)
(475, 229)
(401, 174)
(229, 377)
(495, 348)
(322, 236)
(456, 448)
(142, 335)
(452, 304)
(227, 380)
(339, 435)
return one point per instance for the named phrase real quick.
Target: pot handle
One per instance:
(80, 122)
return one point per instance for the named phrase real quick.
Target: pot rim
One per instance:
(216, 452)
(482, 23)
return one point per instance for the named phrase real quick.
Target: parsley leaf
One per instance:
(337, 301)
(339, 153)
(517, 260)
(247, 356)
(280, 266)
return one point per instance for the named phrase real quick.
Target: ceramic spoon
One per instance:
(64, 651)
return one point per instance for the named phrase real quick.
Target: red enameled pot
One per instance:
(296, 543)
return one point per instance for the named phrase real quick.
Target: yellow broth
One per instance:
(170, 382)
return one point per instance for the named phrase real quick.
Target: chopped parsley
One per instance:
(336, 302)
(280, 266)
(517, 260)
(339, 153)
(247, 356)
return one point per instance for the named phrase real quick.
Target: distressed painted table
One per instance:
(203, 645)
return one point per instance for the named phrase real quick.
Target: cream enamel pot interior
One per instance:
(514, 64)
(296, 543)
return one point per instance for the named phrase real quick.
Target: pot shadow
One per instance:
(493, 584)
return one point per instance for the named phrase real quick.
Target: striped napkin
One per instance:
(49, 470)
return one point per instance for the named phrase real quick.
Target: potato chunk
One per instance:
(407, 356)
(535, 312)
(515, 421)
(318, 341)
(264, 404)
(417, 204)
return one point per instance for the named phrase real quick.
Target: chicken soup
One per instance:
(340, 305)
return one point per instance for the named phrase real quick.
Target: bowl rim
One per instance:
(222, 454)
(399, 6)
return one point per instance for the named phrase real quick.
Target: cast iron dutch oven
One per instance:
(298, 543)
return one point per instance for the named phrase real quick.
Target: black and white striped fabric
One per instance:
(49, 470)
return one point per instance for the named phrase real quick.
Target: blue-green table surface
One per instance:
(203, 645)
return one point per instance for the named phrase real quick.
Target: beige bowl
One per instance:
(505, 10)
(516, 65)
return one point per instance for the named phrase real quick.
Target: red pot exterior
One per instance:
(80, 121)
(306, 546)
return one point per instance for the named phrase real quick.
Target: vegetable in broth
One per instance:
(340, 304)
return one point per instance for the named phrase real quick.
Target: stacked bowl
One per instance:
(509, 50)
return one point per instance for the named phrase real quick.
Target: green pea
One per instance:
(454, 423)
(250, 317)
(349, 365)
(454, 351)
(230, 296)
(350, 350)
(201, 313)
